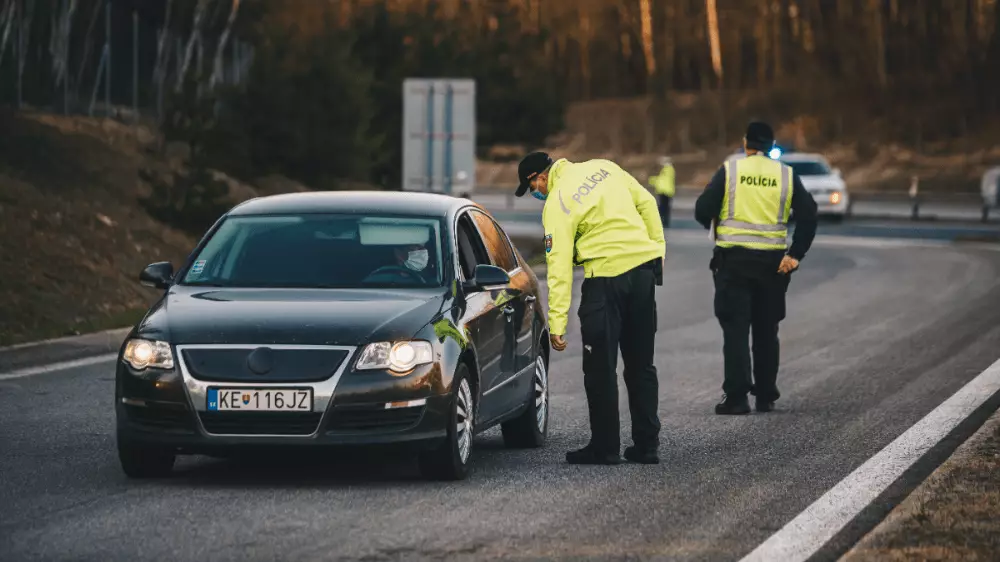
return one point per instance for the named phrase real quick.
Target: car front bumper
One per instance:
(164, 407)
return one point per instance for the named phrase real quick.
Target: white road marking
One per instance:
(810, 530)
(61, 366)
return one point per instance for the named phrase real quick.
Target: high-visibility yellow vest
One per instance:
(663, 183)
(756, 205)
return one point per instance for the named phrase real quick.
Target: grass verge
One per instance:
(952, 516)
(70, 327)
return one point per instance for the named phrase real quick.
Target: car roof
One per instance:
(802, 157)
(374, 202)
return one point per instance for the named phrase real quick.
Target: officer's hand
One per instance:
(788, 265)
(558, 343)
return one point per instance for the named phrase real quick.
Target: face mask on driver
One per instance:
(416, 260)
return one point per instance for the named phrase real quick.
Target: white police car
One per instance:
(823, 182)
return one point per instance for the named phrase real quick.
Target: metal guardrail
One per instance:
(916, 201)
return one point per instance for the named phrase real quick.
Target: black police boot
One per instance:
(588, 455)
(641, 456)
(764, 405)
(733, 406)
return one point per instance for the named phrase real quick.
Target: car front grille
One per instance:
(161, 416)
(260, 423)
(274, 365)
(372, 418)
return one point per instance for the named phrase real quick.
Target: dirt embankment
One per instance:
(74, 233)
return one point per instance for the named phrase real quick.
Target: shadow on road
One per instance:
(339, 467)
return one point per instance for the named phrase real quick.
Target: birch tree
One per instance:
(193, 39)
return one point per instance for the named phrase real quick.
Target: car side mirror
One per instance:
(157, 275)
(836, 172)
(487, 276)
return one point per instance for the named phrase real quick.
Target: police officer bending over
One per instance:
(598, 216)
(748, 203)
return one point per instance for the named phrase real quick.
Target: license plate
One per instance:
(260, 399)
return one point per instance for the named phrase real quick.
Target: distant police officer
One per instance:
(749, 203)
(598, 216)
(664, 185)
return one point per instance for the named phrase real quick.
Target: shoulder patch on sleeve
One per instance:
(548, 243)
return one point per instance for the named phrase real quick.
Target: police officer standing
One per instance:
(748, 205)
(599, 216)
(664, 185)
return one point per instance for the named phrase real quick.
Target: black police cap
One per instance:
(759, 136)
(530, 166)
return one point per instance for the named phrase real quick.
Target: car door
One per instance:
(486, 320)
(515, 301)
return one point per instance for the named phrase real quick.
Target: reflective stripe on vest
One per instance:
(740, 221)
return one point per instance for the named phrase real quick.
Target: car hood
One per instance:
(822, 182)
(188, 315)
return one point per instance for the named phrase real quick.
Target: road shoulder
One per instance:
(952, 515)
(62, 349)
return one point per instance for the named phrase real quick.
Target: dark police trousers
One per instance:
(749, 301)
(664, 206)
(620, 312)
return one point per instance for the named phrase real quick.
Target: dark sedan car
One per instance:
(316, 319)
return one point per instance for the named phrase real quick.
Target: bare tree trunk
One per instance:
(60, 42)
(88, 44)
(670, 46)
(646, 17)
(761, 33)
(199, 18)
(23, 36)
(162, 57)
(992, 87)
(878, 36)
(7, 20)
(713, 38)
(221, 47)
(585, 35)
(777, 18)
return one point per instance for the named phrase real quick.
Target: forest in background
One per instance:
(312, 88)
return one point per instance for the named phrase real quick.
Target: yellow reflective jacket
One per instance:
(757, 204)
(663, 183)
(596, 215)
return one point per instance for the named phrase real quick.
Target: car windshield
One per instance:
(320, 251)
(810, 168)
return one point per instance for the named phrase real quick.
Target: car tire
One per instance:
(530, 429)
(144, 461)
(450, 460)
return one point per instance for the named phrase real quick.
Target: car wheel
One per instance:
(143, 461)
(450, 461)
(530, 428)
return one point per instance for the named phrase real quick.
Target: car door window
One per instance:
(471, 250)
(501, 254)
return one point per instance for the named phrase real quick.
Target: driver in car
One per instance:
(411, 261)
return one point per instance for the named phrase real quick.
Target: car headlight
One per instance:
(835, 197)
(399, 357)
(141, 353)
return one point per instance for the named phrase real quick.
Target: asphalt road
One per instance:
(875, 339)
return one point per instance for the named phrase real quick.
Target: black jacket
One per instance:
(709, 205)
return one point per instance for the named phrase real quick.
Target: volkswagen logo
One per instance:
(261, 360)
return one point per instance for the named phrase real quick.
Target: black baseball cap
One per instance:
(530, 166)
(759, 136)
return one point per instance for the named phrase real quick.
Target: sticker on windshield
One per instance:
(198, 267)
